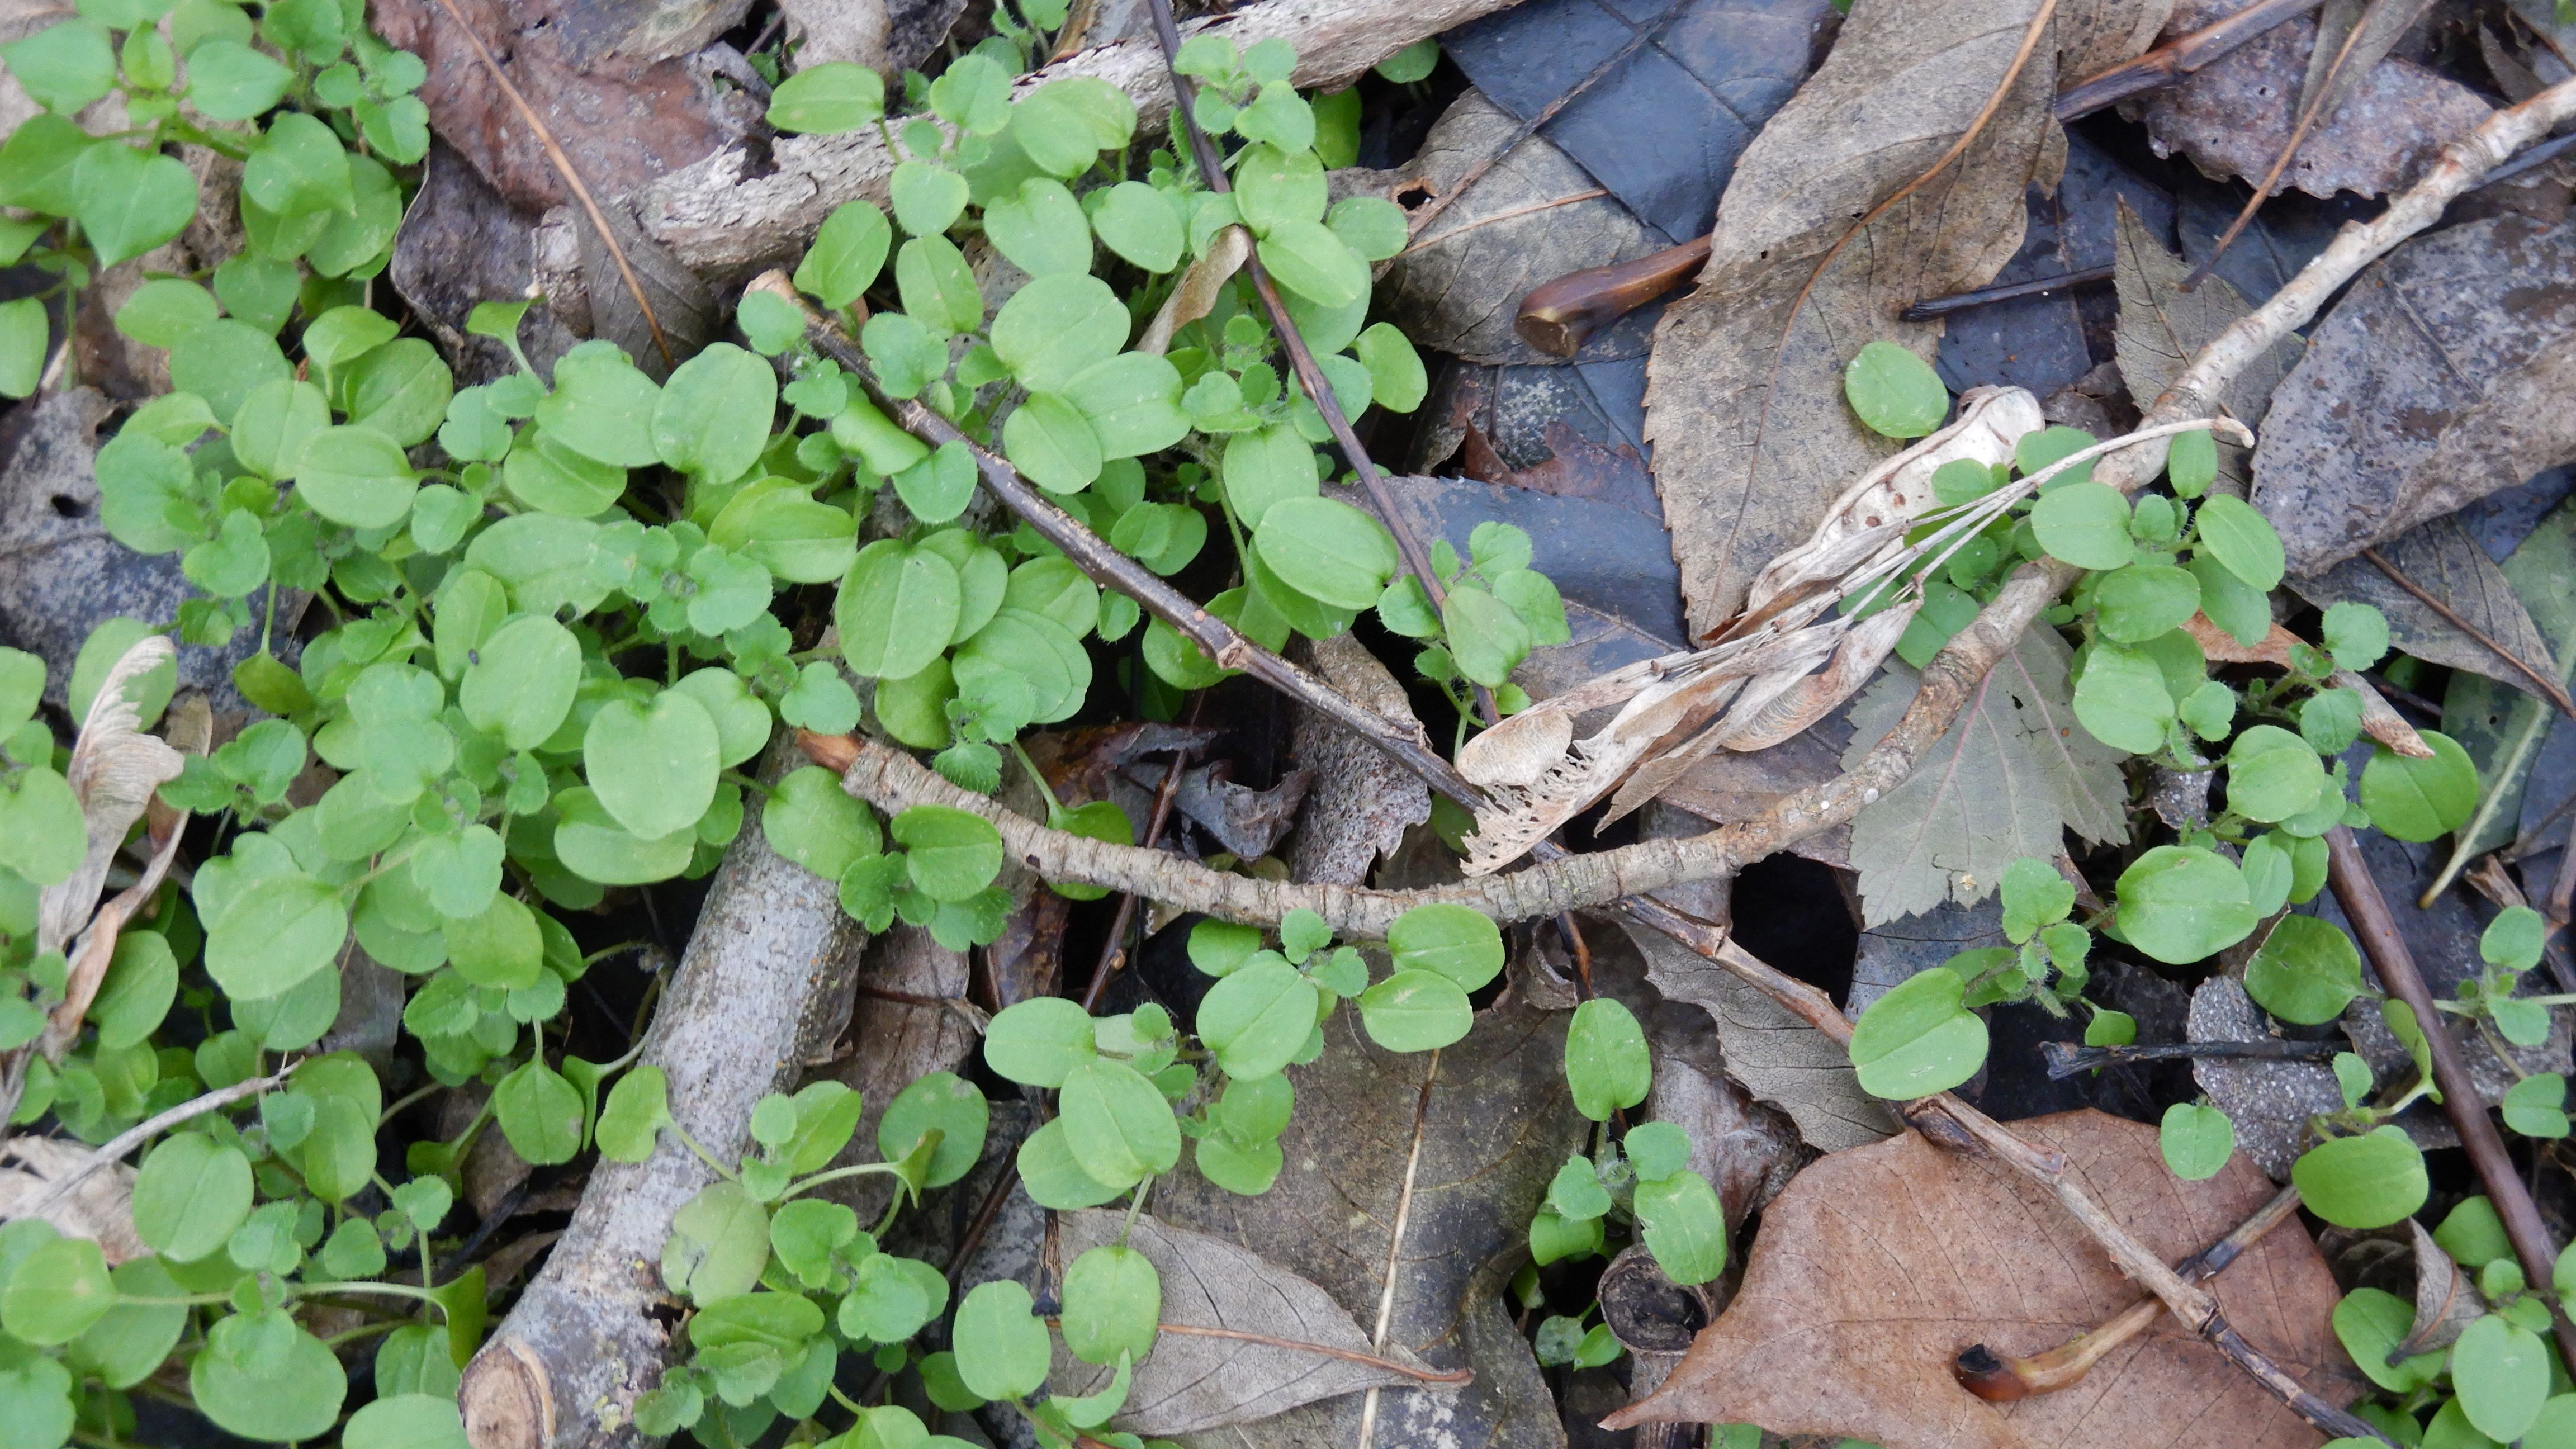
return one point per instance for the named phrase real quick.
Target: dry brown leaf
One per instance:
(2233, 116)
(2162, 327)
(1194, 296)
(2442, 376)
(2443, 557)
(100, 1208)
(2446, 1301)
(2379, 719)
(114, 770)
(1363, 801)
(1744, 400)
(1535, 216)
(1880, 1264)
(1190, 1382)
(1407, 1193)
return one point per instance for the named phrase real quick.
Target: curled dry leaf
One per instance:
(101, 1208)
(115, 768)
(1535, 216)
(1753, 440)
(1880, 1264)
(2446, 1300)
(2233, 116)
(1195, 295)
(1753, 689)
(1192, 1382)
(2442, 376)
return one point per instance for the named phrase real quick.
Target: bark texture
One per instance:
(737, 210)
(765, 981)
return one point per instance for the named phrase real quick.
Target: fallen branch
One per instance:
(765, 983)
(2355, 889)
(747, 207)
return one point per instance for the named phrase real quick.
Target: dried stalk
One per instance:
(2176, 58)
(116, 1147)
(2385, 945)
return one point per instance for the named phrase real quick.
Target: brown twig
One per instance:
(2358, 892)
(2548, 688)
(1996, 1379)
(1934, 307)
(58, 1188)
(2176, 58)
(2065, 1059)
(1347, 1355)
(563, 166)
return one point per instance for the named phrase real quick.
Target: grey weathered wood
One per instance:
(756, 994)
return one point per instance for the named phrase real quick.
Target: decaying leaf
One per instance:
(1365, 801)
(1245, 821)
(1778, 1057)
(2233, 116)
(2014, 773)
(1407, 1193)
(101, 1208)
(2446, 1299)
(115, 768)
(1744, 404)
(2441, 556)
(2504, 723)
(2162, 326)
(2442, 376)
(1196, 293)
(1880, 1264)
(1535, 216)
(887, 36)
(1191, 1382)
(1749, 691)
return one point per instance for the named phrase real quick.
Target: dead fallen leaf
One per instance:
(2443, 557)
(1535, 216)
(886, 36)
(100, 1208)
(1880, 1264)
(1365, 800)
(609, 81)
(1244, 821)
(1778, 1057)
(1745, 403)
(2233, 116)
(2013, 774)
(1191, 1382)
(1455, 1150)
(2162, 326)
(1748, 1150)
(2446, 1301)
(460, 245)
(2442, 376)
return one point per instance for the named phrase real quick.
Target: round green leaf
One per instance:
(2197, 1140)
(356, 476)
(1038, 1042)
(1327, 550)
(1002, 1345)
(189, 1195)
(1053, 1175)
(1606, 1063)
(815, 823)
(262, 1377)
(1919, 1038)
(2180, 904)
(2272, 774)
(928, 198)
(1413, 1011)
(951, 855)
(2368, 1181)
(276, 931)
(1460, 943)
(897, 609)
(2242, 539)
(943, 1102)
(1310, 260)
(56, 1292)
(1047, 438)
(2420, 799)
(500, 947)
(1142, 225)
(522, 679)
(1256, 1020)
(2307, 971)
(42, 834)
(850, 249)
(2372, 1323)
(713, 417)
(129, 202)
(1895, 392)
(2143, 600)
(2085, 524)
(590, 843)
(1119, 1127)
(1113, 1298)
(2501, 1372)
(406, 1421)
(1685, 1226)
(654, 769)
(1040, 228)
(828, 99)
(1056, 326)
(540, 1112)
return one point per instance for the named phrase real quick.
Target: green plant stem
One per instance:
(835, 1175)
(386, 1290)
(709, 1158)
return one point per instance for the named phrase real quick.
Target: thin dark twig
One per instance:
(1932, 307)
(1301, 358)
(2065, 1059)
(2385, 945)
(2550, 689)
(2176, 58)
(1115, 951)
(563, 166)
(2531, 160)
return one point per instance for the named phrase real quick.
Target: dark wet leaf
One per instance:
(2449, 564)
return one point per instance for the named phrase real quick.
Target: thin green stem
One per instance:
(836, 1174)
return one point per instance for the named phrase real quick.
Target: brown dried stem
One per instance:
(2385, 945)
(564, 168)
(2176, 58)
(58, 1188)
